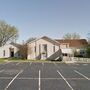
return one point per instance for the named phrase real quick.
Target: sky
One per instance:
(53, 18)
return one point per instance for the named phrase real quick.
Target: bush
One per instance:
(88, 51)
(78, 55)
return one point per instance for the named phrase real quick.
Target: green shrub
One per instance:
(88, 51)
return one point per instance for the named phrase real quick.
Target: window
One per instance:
(44, 51)
(54, 48)
(39, 49)
(66, 45)
(35, 48)
(65, 54)
(44, 47)
(3, 52)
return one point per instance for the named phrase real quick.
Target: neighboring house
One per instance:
(44, 48)
(10, 50)
(68, 47)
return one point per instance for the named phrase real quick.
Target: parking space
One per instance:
(83, 68)
(44, 76)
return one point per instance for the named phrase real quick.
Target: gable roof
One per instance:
(15, 44)
(77, 43)
(47, 39)
(29, 40)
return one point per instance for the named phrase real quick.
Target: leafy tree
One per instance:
(88, 37)
(88, 51)
(71, 36)
(8, 33)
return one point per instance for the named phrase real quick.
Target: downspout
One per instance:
(35, 49)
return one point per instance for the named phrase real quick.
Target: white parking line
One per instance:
(81, 74)
(6, 63)
(42, 63)
(39, 80)
(85, 64)
(1, 70)
(18, 63)
(5, 78)
(65, 80)
(13, 80)
(28, 78)
(30, 63)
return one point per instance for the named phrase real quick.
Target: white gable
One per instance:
(6, 49)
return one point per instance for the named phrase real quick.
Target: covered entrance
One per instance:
(44, 51)
(11, 52)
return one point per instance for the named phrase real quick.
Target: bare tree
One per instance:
(71, 36)
(23, 51)
(31, 39)
(7, 33)
(67, 36)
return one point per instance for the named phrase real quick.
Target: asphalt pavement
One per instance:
(44, 76)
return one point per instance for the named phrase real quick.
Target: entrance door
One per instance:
(44, 51)
(11, 52)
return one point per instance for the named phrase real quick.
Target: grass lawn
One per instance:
(2, 60)
(25, 60)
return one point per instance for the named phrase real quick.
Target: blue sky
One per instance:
(54, 18)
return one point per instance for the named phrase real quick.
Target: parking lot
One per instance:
(44, 76)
